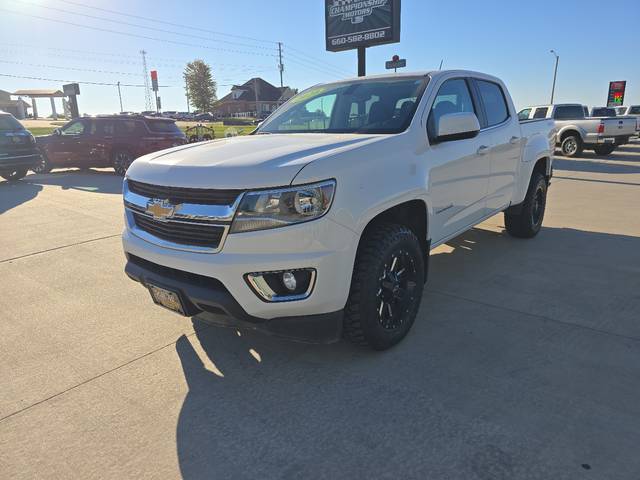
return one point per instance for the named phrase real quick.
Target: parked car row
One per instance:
(101, 141)
(576, 130)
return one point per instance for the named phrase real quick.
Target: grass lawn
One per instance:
(46, 127)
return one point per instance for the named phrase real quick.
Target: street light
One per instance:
(555, 73)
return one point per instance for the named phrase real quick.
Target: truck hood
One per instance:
(253, 161)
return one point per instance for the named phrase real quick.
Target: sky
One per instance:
(99, 41)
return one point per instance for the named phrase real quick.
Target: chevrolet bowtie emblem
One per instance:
(161, 209)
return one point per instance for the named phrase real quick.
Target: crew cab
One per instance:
(18, 152)
(319, 224)
(577, 131)
(107, 141)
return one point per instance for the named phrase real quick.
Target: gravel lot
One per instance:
(524, 361)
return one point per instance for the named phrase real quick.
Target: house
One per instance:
(255, 98)
(17, 108)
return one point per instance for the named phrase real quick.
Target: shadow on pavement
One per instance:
(86, 180)
(478, 389)
(597, 165)
(13, 194)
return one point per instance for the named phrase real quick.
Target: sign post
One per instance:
(395, 63)
(154, 87)
(615, 97)
(358, 24)
(72, 90)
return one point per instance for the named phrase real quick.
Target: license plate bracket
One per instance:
(167, 298)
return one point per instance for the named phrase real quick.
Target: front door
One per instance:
(65, 149)
(459, 168)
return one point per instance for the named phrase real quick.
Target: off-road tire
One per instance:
(363, 322)
(528, 221)
(121, 160)
(15, 174)
(572, 146)
(604, 149)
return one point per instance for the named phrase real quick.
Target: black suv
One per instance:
(18, 151)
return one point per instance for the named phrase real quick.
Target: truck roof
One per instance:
(421, 73)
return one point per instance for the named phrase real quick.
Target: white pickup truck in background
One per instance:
(319, 225)
(576, 131)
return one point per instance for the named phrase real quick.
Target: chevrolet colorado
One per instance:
(320, 223)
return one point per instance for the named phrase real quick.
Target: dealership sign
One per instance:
(615, 98)
(361, 23)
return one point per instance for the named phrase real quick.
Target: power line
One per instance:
(58, 80)
(39, 65)
(145, 37)
(164, 22)
(307, 56)
(316, 67)
(137, 25)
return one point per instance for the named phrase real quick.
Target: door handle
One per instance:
(483, 150)
(514, 140)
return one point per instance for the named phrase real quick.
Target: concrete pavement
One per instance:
(524, 361)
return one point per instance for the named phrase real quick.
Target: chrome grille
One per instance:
(182, 233)
(176, 195)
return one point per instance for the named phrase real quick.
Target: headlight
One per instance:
(265, 209)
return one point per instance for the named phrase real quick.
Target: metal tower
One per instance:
(148, 105)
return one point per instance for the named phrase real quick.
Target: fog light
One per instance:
(289, 280)
(282, 285)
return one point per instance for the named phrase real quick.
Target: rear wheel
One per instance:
(604, 149)
(386, 287)
(14, 175)
(528, 221)
(571, 146)
(121, 162)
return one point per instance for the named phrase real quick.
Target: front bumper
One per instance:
(215, 282)
(16, 161)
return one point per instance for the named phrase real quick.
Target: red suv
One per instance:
(107, 141)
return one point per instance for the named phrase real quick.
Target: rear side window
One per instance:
(453, 97)
(569, 112)
(495, 105)
(540, 112)
(8, 123)
(634, 111)
(162, 126)
(524, 114)
(126, 127)
(102, 127)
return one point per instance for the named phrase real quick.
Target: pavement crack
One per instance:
(536, 315)
(59, 248)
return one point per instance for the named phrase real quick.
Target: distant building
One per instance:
(257, 97)
(17, 108)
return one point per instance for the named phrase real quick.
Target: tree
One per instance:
(201, 87)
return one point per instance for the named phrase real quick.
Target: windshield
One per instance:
(8, 123)
(359, 106)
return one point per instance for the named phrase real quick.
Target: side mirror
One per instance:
(456, 126)
(57, 131)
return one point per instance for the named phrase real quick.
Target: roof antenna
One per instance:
(440, 67)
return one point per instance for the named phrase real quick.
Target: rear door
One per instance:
(459, 168)
(503, 130)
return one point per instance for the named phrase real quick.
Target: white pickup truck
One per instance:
(320, 223)
(576, 130)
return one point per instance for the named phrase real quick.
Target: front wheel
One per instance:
(121, 162)
(14, 175)
(571, 146)
(386, 287)
(604, 149)
(528, 221)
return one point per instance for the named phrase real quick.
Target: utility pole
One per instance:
(120, 97)
(280, 65)
(147, 89)
(255, 91)
(555, 74)
(186, 89)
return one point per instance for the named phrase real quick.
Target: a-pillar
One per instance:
(54, 114)
(34, 107)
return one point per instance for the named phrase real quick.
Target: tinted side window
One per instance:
(162, 126)
(634, 111)
(102, 127)
(524, 114)
(453, 97)
(495, 105)
(569, 112)
(126, 127)
(540, 112)
(74, 128)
